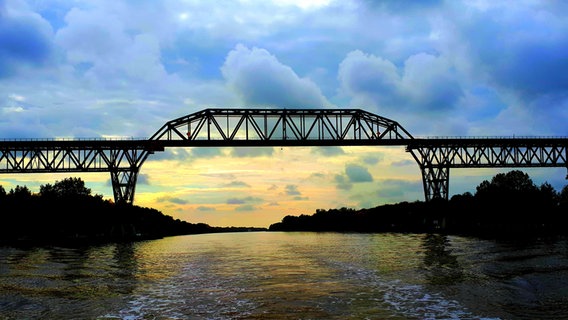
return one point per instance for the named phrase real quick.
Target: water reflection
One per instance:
(288, 275)
(53, 282)
(441, 265)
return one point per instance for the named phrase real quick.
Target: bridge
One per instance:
(123, 158)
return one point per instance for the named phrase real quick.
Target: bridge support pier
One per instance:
(124, 184)
(436, 181)
(124, 167)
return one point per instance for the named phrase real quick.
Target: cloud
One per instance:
(235, 201)
(357, 173)
(261, 80)
(519, 48)
(236, 184)
(328, 151)
(425, 83)
(401, 7)
(102, 48)
(245, 208)
(172, 200)
(371, 160)
(404, 163)
(399, 189)
(317, 175)
(143, 179)
(244, 200)
(25, 38)
(354, 173)
(208, 152)
(292, 190)
(205, 208)
(342, 182)
(243, 152)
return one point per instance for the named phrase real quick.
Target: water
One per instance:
(273, 275)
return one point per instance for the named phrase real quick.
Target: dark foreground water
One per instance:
(272, 275)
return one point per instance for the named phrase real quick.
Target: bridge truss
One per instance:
(436, 156)
(279, 127)
(122, 158)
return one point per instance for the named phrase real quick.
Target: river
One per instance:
(296, 275)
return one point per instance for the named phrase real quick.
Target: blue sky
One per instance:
(85, 69)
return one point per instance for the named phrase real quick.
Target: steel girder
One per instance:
(436, 156)
(264, 127)
(122, 158)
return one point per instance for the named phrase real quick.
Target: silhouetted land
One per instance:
(67, 213)
(509, 205)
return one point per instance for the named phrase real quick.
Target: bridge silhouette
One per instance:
(123, 158)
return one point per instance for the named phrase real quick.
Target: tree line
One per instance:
(510, 204)
(67, 212)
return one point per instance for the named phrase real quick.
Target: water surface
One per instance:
(296, 275)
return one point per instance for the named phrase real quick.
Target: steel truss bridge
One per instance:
(280, 127)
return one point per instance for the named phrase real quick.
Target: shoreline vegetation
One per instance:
(65, 213)
(510, 206)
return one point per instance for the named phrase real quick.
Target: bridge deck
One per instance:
(159, 145)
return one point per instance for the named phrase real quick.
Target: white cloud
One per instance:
(261, 80)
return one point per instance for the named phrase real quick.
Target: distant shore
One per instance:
(509, 206)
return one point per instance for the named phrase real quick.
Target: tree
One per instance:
(563, 196)
(69, 187)
(548, 195)
(513, 181)
(20, 192)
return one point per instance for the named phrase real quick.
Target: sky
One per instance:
(123, 68)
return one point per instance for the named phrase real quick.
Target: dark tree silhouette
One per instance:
(66, 212)
(20, 192)
(508, 205)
